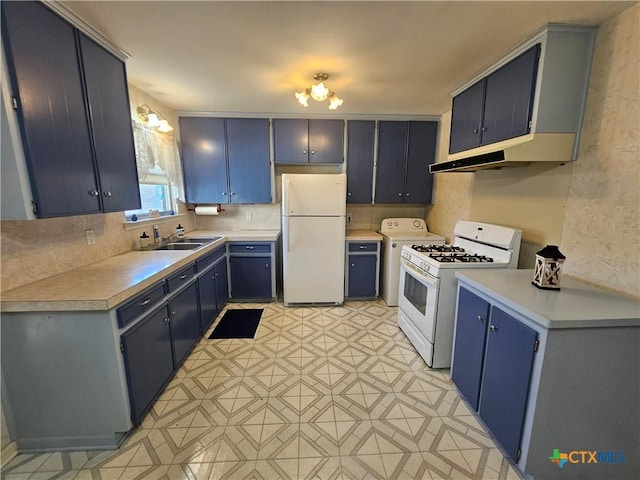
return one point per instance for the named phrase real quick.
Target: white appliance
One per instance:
(428, 287)
(313, 237)
(396, 233)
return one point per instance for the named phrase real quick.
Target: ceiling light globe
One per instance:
(319, 92)
(152, 120)
(335, 102)
(303, 98)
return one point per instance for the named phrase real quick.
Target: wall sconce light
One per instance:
(319, 93)
(153, 119)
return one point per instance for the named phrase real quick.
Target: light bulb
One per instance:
(319, 92)
(153, 120)
(334, 102)
(164, 126)
(303, 98)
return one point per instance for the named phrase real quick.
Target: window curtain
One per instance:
(156, 150)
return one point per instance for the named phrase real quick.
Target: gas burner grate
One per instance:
(437, 248)
(461, 258)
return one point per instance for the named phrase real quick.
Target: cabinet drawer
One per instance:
(139, 304)
(205, 262)
(180, 278)
(249, 247)
(363, 246)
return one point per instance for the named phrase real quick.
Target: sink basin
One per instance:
(179, 246)
(195, 240)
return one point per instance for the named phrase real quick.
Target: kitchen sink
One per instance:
(195, 240)
(179, 246)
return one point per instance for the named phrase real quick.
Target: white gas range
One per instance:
(428, 287)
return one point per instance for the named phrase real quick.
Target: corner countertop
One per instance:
(575, 305)
(363, 236)
(107, 283)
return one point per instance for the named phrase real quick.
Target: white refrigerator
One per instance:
(313, 237)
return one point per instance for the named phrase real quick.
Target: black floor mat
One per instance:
(240, 323)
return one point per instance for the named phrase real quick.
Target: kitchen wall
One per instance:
(36, 249)
(591, 209)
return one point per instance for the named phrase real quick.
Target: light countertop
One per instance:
(575, 305)
(105, 284)
(363, 236)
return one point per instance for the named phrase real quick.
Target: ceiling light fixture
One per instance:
(319, 93)
(153, 119)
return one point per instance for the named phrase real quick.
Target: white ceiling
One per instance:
(383, 58)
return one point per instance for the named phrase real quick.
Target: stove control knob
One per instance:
(416, 223)
(395, 224)
(389, 223)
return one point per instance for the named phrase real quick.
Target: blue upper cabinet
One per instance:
(308, 141)
(466, 118)
(108, 98)
(360, 151)
(405, 151)
(47, 84)
(509, 94)
(421, 152)
(72, 105)
(498, 107)
(248, 157)
(204, 159)
(226, 160)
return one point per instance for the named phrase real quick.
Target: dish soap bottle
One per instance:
(156, 234)
(180, 231)
(144, 241)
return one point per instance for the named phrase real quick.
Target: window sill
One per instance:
(129, 225)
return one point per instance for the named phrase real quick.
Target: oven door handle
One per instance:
(419, 274)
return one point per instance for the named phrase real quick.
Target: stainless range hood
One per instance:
(515, 152)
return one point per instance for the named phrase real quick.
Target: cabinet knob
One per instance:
(493, 328)
(167, 320)
(94, 193)
(304, 152)
(400, 194)
(484, 129)
(106, 194)
(353, 264)
(313, 152)
(173, 313)
(266, 265)
(406, 195)
(480, 318)
(348, 194)
(362, 247)
(475, 130)
(224, 193)
(249, 247)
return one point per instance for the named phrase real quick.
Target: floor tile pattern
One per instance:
(320, 393)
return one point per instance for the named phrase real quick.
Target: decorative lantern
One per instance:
(546, 274)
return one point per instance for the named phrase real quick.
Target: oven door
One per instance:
(418, 298)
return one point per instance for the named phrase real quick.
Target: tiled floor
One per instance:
(320, 393)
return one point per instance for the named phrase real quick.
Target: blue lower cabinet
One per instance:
(222, 284)
(185, 322)
(213, 291)
(362, 276)
(250, 277)
(468, 354)
(148, 360)
(505, 382)
(208, 303)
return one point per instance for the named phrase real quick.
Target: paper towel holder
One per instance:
(195, 205)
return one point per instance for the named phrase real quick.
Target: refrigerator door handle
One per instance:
(288, 234)
(287, 182)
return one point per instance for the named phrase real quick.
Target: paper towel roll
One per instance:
(207, 210)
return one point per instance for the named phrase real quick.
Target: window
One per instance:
(159, 172)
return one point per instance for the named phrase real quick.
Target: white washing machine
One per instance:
(396, 233)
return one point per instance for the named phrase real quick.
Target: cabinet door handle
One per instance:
(94, 193)
(145, 302)
(493, 328)
(249, 247)
(183, 276)
(106, 194)
(362, 247)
